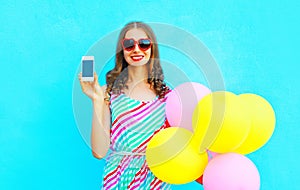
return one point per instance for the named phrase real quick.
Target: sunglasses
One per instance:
(143, 43)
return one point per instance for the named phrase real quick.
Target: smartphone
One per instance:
(87, 68)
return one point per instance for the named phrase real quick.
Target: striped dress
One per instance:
(134, 122)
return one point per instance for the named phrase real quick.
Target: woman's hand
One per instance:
(91, 88)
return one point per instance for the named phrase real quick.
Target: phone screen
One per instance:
(87, 68)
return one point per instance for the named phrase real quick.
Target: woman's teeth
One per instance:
(137, 57)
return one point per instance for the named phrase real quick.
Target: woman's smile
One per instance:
(137, 57)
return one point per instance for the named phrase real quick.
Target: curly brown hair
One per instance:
(117, 77)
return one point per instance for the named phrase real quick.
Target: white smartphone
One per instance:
(87, 68)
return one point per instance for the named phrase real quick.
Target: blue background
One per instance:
(255, 44)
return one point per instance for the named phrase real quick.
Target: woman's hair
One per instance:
(117, 77)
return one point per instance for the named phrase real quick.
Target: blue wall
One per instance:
(255, 44)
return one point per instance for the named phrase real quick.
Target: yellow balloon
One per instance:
(262, 123)
(220, 122)
(172, 158)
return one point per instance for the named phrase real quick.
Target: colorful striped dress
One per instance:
(134, 122)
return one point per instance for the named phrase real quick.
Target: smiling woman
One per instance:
(129, 54)
(129, 110)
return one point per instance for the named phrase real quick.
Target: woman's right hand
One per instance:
(91, 88)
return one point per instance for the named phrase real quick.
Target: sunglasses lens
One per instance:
(128, 44)
(144, 44)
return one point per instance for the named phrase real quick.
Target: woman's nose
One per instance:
(136, 48)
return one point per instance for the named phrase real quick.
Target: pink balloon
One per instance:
(231, 171)
(181, 103)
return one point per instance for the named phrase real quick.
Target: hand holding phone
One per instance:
(89, 79)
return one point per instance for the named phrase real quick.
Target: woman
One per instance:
(129, 110)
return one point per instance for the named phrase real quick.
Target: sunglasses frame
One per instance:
(136, 42)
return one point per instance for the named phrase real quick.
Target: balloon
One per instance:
(231, 171)
(221, 122)
(172, 158)
(210, 155)
(181, 103)
(262, 123)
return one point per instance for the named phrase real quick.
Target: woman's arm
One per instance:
(100, 137)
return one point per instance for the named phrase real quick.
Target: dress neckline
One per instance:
(142, 101)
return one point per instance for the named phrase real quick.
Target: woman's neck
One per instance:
(137, 74)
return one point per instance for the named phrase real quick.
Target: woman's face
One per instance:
(136, 56)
